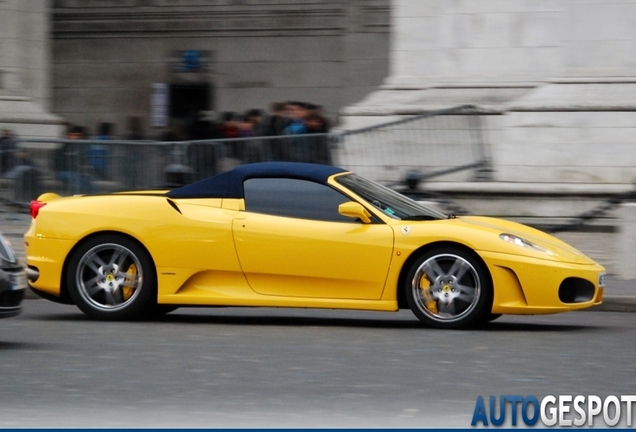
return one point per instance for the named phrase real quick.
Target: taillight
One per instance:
(35, 208)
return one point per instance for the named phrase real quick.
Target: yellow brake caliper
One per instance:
(430, 303)
(129, 283)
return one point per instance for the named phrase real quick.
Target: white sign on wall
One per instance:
(159, 105)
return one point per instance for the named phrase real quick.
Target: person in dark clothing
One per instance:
(245, 127)
(315, 124)
(7, 150)
(171, 133)
(229, 127)
(200, 129)
(297, 113)
(135, 131)
(318, 145)
(294, 149)
(70, 163)
(98, 154)
(276, 122)
(23, 170)
(255, 117)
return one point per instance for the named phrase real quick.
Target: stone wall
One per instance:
(561, 73)
(25, 68)
(24, 49)
(107, 54)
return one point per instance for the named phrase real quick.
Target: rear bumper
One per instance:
(46, 256)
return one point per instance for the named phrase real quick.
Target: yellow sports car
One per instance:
(283, 234)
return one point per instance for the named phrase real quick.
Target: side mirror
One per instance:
(355, 210)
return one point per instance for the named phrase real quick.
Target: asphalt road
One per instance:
(244, 367)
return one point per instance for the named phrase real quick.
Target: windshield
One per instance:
(392, 203)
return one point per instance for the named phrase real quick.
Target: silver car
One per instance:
(13, 281)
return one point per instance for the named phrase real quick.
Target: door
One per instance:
(187, 100)
(291, 241)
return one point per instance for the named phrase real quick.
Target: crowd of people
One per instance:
(77, 164)
(290, 131)
(283, 118)
(13, 159)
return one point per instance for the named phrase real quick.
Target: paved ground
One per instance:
(281, 368)
(619, 295)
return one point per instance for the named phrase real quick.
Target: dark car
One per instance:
(13, 282)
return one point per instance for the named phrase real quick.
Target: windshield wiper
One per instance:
(419, 217)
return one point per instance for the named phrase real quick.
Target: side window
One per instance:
(294, 198)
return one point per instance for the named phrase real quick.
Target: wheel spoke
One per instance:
(119, 295)
(92, 289)
(92, 265)
(110, 298)
(432, 270)
(451, 309)
(468, 298)
(447, 308)
(121, 275)
(96, 260)
(467, 293)
(92, 282)
(116, 254)
(466, 289)
(129, 283)
(459, 269)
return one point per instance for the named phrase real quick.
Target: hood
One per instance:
(483, 234)
(558, 249)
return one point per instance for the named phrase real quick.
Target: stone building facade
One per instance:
(558, 75)
(158, 58)
(25, 65)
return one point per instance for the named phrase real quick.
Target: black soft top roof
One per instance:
(230, 184)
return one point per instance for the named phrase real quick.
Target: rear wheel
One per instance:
(491, 317)
(449, 287)
(112, 277)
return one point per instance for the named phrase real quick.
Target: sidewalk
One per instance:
(620, 295)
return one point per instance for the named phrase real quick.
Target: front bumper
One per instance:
(526, 285)
(13, 287)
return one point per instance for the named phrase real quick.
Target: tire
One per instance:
(111, 277)
(449, 288)
(156, 311)
(492, 317)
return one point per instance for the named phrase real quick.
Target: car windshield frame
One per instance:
(391, 203)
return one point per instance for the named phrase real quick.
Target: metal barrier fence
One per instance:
(36, 165)
(434, 144)
(437, 143)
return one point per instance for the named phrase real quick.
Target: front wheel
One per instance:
(112, 277)
(157, 311)
(449, 288)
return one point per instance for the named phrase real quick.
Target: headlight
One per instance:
(524, 243)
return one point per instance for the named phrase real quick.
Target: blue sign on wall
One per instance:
(191, 61)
